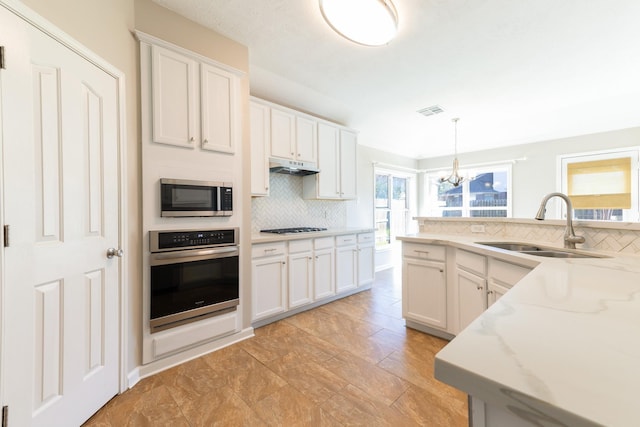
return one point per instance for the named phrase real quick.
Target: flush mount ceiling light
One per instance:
(367, 22)
(455, 178)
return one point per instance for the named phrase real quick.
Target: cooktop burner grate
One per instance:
(293, 230)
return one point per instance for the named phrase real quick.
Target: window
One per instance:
(392, 206)
(486, 194)
(602, 186)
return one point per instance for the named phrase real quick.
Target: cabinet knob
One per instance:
(479, 288)
(206, 141)
(192, 139)
(489, 292)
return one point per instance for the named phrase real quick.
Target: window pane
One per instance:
(488, 189)
(492, 213)
(382, 191)
(383, 227)
(449, 196)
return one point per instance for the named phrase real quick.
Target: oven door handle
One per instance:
(193, 255)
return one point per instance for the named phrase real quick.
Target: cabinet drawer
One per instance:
(366, 238)
(267, 249)
(471, 262)
(424, 251)
(300, 246)
(347, 239)
(323, 243)
(505, 272)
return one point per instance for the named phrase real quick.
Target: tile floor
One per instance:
(351, 362)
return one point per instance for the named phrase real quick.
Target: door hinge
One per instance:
(6, 236)
(5, 416)
(2, 64)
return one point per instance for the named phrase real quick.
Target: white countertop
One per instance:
(563, 345)
(273, 237)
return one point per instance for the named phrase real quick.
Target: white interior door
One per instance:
(59, 122)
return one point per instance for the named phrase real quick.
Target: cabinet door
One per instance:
(217, 111)
(269, 291)
(495, 291)
(328, 141)
(346, 271)
(174, 98)
(324, 278)
(283, 126)
(260, 128)
(366, 264)
(306, 140)
(424, 292)
(300, 279)
(471, 297)
(348, 164)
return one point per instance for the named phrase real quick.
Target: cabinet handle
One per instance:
(206, 141)
(479, 288)
(283, 263)
(270, 249)
(489, 292)
(421, 252)
(192, 139)
(441, 271)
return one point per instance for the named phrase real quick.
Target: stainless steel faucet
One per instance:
(570, 238)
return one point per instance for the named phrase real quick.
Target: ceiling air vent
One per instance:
(430, 111)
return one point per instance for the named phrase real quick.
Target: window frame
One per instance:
(628, 215)
(466, 208)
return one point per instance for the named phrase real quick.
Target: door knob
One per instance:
(111, 252)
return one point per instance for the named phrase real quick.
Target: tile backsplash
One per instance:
(285, 207)
(623, 238)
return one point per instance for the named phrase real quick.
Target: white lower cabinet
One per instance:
(472, 297)
(475, 283)
(287, 275)
(300, 273)
(346, 263)
(366, 258)
(324, 279)
(471, 285)
(269, 286)
(424, 292)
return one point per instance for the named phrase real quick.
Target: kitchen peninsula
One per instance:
(562, 347)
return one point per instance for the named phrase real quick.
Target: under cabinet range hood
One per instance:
(292, 167)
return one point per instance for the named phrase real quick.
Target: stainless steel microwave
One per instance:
(187, 198)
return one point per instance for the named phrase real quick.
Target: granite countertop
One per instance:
(272, 237)
(561, 347)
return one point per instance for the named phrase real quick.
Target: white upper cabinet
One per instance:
(293, 136)
(259, 134)
(218, 104)
(306, 139)
(283, 134)
(193, 103)
(337, 161)
(174, 97)
(348, 162)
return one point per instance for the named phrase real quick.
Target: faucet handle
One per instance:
(575, 239)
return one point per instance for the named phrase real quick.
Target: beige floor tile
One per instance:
(351, 362)
(375, 381)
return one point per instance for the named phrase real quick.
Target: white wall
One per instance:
(535, 177)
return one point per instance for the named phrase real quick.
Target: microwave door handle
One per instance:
(218, 197)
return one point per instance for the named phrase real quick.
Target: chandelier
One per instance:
(455, 178)
(366, 22)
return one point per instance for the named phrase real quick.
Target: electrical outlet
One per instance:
(477, 228)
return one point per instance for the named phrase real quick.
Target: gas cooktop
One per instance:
(293, 230)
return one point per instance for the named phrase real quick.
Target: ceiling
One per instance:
(513, 71)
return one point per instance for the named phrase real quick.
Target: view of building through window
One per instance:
(486, 194)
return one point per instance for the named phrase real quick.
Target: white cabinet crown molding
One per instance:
(149, 39)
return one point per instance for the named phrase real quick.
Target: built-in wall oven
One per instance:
(194, 275)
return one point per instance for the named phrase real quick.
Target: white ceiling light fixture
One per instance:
(455, 178)
(366, 22)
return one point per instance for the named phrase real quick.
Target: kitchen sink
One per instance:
(543, 251)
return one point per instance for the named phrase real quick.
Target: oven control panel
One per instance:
(171, 240)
